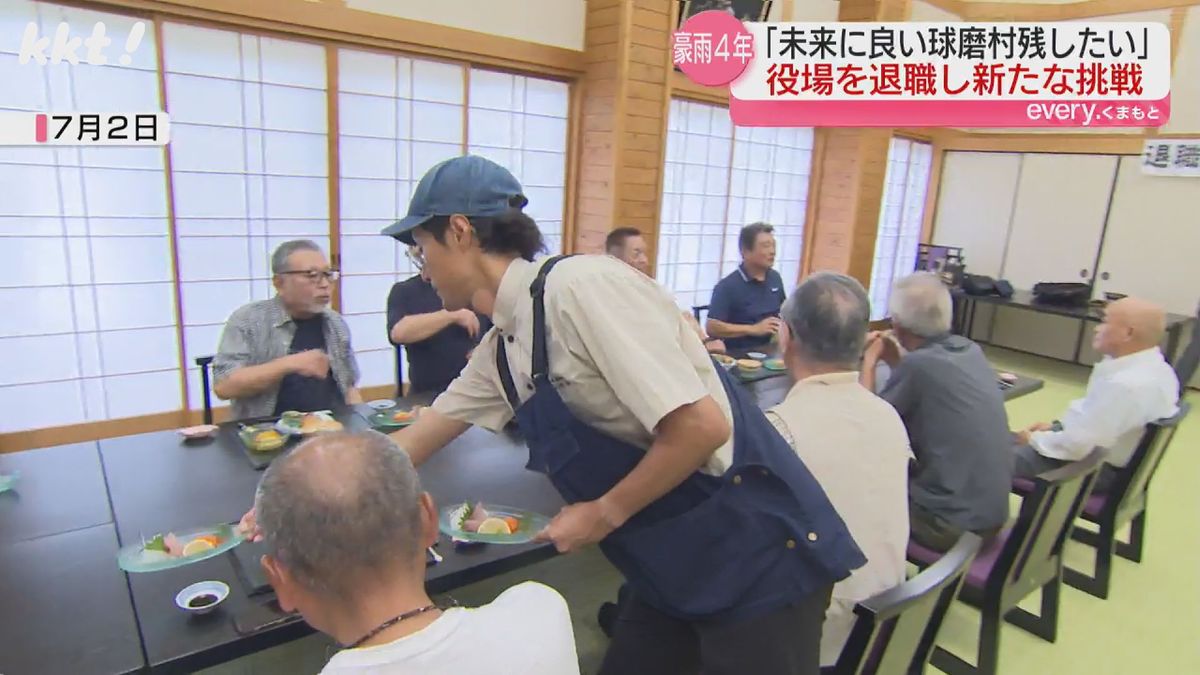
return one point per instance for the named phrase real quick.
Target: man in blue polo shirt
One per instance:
(744, 310)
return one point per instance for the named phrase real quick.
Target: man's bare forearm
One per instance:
(721, 329)
(418, 327)
(867, 377)
(250, 381)
(431, 432)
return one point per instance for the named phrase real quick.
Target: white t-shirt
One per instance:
(525, 631)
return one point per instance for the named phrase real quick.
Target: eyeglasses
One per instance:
(315, 276)
(417, 257)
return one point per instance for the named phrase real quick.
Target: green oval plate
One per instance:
(528, 524)
(8, 481)
(383, 420)
(247, 434)
(134, 558)
(773, 364)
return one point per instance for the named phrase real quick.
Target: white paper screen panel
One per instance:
(975, 205)
(250, 167)
(88, 328)
(1058, 217)
(1153, 238)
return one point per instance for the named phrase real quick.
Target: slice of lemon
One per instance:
(197, 546)
(494, 526)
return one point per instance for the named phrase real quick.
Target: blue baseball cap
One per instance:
(469, 185)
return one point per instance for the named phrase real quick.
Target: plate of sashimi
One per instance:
(491, 523)
(169, 550)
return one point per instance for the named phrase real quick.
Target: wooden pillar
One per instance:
(625, 98)
(851, 172)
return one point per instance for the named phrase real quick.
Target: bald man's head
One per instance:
(1130, 325)
(341, 510)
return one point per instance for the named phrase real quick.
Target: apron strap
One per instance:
(506, 378)
(541, 362)
(541, 358)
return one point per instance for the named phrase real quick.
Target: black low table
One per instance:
(64, 606)
(965, 306)
(60, 489)
(158, 483)
(758, 374)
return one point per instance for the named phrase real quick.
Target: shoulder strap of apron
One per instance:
(541, 359)
(510, 389)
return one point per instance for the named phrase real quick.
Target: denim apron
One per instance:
(756, 539)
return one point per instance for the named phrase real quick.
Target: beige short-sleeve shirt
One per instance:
(621, 355)
(855, 445)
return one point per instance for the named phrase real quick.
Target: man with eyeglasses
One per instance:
(291, 352)
(437, 341)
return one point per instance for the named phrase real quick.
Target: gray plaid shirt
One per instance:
(261, 332)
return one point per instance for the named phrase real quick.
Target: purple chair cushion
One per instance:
(981, 567)
(1091, 510)
(1022, 486)
(1094, 505)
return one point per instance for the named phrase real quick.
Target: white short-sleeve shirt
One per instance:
(526, 630)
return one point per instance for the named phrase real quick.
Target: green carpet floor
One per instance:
(1149, 625)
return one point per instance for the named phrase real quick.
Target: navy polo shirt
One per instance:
(743, 300)
(434, 362)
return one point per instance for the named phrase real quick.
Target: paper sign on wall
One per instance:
(1172, 158)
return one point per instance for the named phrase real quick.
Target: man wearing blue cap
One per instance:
(727, 542)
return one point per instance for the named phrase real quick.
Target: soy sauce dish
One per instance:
(201, 598)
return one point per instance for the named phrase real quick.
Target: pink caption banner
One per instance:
(1048, 113)
(1060, 74)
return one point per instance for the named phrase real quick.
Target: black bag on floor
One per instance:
(1062, 293)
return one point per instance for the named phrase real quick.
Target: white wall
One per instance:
(977, 219)
(810, 10)
(559, 23)
(923, 11)
(1151, 238)
(1185, 79)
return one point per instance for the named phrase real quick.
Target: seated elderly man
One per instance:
(291, 352)
(744, 310)
(1130, 387)
(853, 442)
(946, 393)
(346, 525)
(629, 246)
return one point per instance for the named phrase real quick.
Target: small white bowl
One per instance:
(198, 432)
(382, 404)
(758, 356)
(217, 588)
